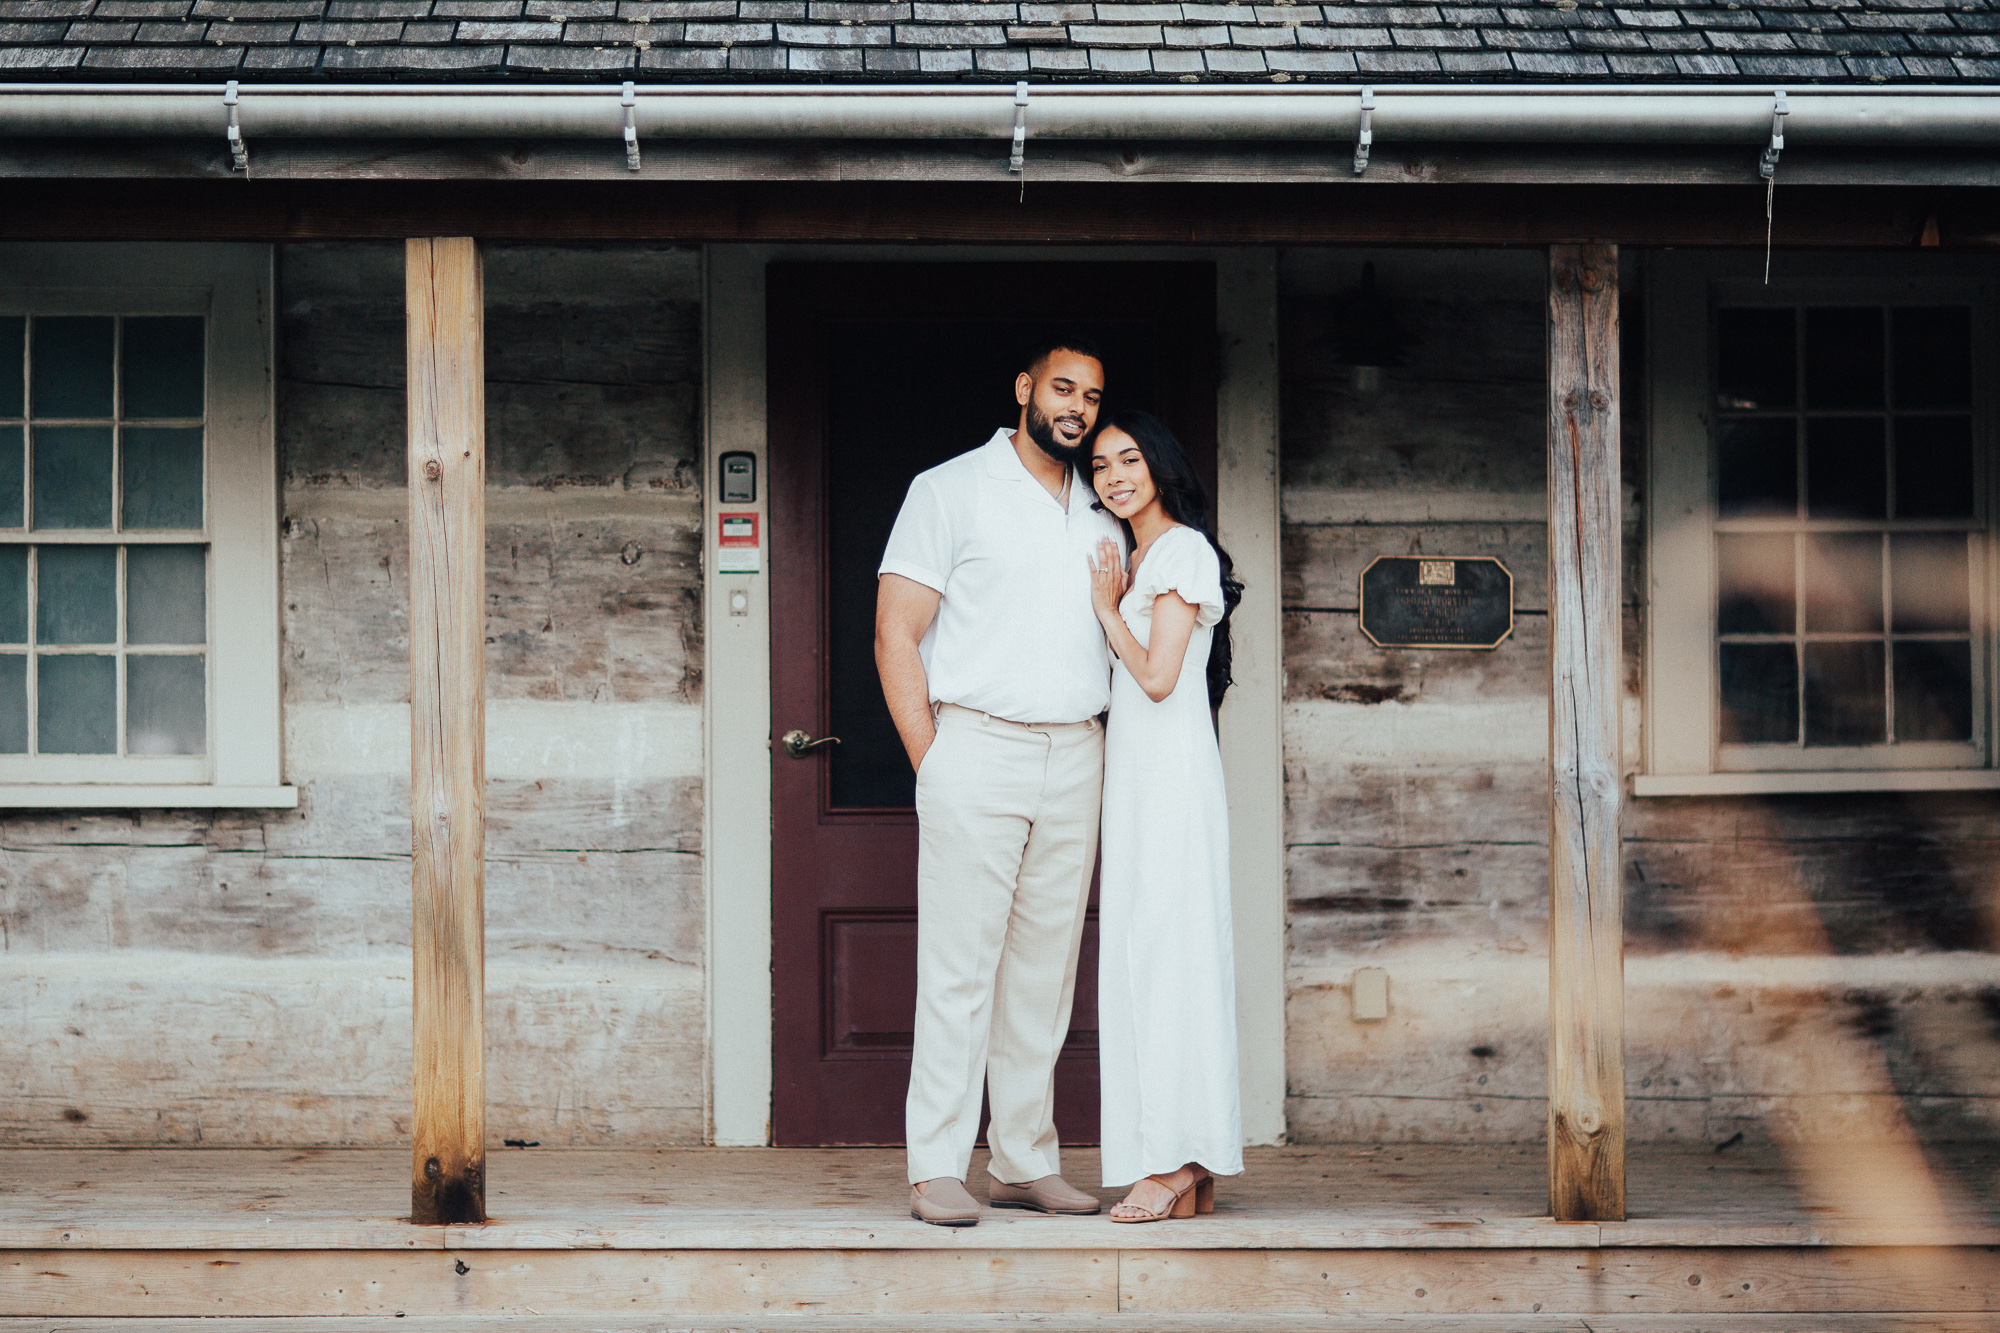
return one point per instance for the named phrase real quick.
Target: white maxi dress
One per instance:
(1166, 989)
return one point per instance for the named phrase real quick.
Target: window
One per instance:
(1818, 534)
(138, 579)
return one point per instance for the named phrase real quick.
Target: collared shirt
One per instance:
(1015, 635)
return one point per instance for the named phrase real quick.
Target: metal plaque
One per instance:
(1437, 601)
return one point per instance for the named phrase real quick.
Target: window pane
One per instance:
(162, 359)
(1756, 360)
(1757, 469)
(1754, 585)
(78, 706)
(72, 366)
(166, 594)
(1933, 356)
(13, 703)
(165, 712)
(1933, 691)
(13, 378)
(1844, 358)
(72, 476)
(1844, 704)
(76, 594)
(1934, 467)
(1844, 584)
(1760, 694)
(1928, 585)
(1847, 472)
(13, 474)
(13, 594)
(162, 466)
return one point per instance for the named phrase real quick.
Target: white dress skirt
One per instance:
(1166, 988)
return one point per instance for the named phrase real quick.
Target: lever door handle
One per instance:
(798, 744)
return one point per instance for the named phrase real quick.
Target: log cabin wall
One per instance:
(1797, 965)
(244, 977)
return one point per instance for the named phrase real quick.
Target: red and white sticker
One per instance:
(739, 551)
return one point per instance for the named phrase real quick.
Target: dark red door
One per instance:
(876, 372)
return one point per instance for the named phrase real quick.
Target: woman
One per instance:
(1166, 980)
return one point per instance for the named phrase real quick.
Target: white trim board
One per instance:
(1831, 780)
(738, 669)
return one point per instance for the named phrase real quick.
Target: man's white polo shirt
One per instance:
(1015, 635)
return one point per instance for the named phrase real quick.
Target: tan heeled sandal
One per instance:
(1197, 1196)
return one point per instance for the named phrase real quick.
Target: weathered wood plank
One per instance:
(447, 463)
(1327, 658)
(580, 607)
(969, 1280)
(1691, 1282)
(597, 1045)
(1414, 1196)
(898, 212)
(593, 366)
(264, 1284)
(1055, 161)
(1547, 1322)
(1586, 928)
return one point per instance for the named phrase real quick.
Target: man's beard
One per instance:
(1043, 432)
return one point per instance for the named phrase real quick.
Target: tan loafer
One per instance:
(944, 1202)
(1050, 1194)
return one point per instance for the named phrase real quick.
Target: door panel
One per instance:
(877, 372)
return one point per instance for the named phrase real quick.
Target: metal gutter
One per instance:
(1817, 115)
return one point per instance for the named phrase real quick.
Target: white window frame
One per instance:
(232, 286)
(1683, 752)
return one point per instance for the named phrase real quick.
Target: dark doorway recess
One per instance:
(876, 372)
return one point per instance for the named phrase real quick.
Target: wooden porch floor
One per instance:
(1424, 1237)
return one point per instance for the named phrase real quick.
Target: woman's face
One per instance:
(1119, 475)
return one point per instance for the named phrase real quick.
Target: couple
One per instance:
(1008, 619)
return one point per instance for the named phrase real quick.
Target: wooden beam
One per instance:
(1586, 922)
(447, 413)
(1056, 162)
(890, 212)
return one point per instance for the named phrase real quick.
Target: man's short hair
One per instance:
(1043, 349)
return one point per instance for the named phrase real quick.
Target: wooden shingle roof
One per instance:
(1767, 42)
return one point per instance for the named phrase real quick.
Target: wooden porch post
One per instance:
(447, 411)
(1586, 923)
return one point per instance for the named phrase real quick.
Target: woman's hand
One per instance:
(1107, 580)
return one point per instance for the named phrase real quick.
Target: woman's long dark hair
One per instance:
(1186, 501)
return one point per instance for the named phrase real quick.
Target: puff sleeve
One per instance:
(1183, 562)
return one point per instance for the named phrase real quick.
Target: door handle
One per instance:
(798, 744)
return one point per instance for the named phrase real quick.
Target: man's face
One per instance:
(1060, 399)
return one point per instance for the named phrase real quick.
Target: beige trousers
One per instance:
(1007, 836)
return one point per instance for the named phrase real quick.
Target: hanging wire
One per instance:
(1767, 167)
(1770, 200)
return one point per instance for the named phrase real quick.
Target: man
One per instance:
(996, 672)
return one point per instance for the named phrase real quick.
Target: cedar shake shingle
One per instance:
(1761, 43)
(40, 60)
